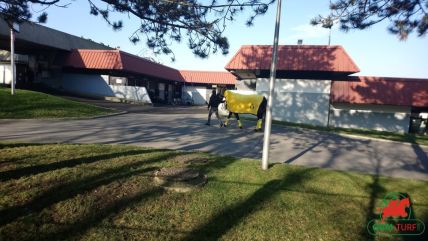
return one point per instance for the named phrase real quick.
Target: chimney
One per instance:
(300, 42)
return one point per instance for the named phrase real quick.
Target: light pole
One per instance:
(268, 122)
(14, 27)
(12, 60)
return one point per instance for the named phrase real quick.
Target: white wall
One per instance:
(246, 84)
(97, 86)
(307, 101)
(5, 74)
(375, 117)
(86, 84)
(244, 92)
(134, 93)
(199, 94)
(299, 101)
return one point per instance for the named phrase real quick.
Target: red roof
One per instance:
(381, 90)
(118, 60)
(208, 77)
(294, 58)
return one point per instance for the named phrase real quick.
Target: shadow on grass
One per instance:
(376, 191)
(73, 230)
(231, 216)
(375, 188)
(424, 236)
(33, 170)
(412, 215)
(31, 210)
(69, 190)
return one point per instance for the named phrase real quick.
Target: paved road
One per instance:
(188, 132)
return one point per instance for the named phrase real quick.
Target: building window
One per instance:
(114, 80)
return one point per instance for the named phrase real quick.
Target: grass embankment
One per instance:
(392, 136)
(102, 192)
(411, 138)
(30, 104)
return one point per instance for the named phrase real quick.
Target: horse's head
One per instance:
(405, 202)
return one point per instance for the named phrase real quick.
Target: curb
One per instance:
(67, 118)
(377, 139)
(107, 115)
(350, 135)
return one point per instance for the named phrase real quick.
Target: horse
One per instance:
(245, 104)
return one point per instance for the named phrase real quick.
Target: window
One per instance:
(113, 80)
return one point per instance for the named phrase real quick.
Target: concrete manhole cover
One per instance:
(179, 179)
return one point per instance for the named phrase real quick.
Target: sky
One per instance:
(375, 51)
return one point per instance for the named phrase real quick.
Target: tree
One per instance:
(201, 23)
(405, 16)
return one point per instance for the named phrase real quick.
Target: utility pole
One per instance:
(268, 122)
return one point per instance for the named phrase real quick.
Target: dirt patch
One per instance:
(193, 158)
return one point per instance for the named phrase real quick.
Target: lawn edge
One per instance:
(355, 136)
(69, 118)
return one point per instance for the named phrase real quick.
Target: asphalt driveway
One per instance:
(188, 132)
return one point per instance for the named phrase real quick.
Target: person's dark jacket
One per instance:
(215, 101)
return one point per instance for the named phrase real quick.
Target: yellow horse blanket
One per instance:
(242, 104)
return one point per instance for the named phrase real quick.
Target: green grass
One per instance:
(410, 138)
(30, 104)
(106, 192)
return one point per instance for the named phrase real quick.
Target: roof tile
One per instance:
(208, 77)
(381, 90)
(118, 60)
(294, 58)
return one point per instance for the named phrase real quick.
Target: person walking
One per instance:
(213, 104)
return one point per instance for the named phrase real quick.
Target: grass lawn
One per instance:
(106, 192)
(30, 104)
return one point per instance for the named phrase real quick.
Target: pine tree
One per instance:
(200, 23)
(405, 16)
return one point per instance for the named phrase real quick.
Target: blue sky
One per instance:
(375, 51)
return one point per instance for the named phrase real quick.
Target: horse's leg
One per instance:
(260, 113)
(259, 124)
(227, 119)
(239, 121)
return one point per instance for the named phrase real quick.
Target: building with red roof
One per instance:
(84, 67)
(120, 74)
(314, 86)
(369, 90)
(381, 103)
(208, 77)
(119, 61)
(198, 84)
(163, 83)
(294, 61)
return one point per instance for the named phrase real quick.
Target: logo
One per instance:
(396, 217)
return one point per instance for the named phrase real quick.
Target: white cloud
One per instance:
(307, 31)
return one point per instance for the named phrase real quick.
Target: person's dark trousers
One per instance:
(214, 110)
